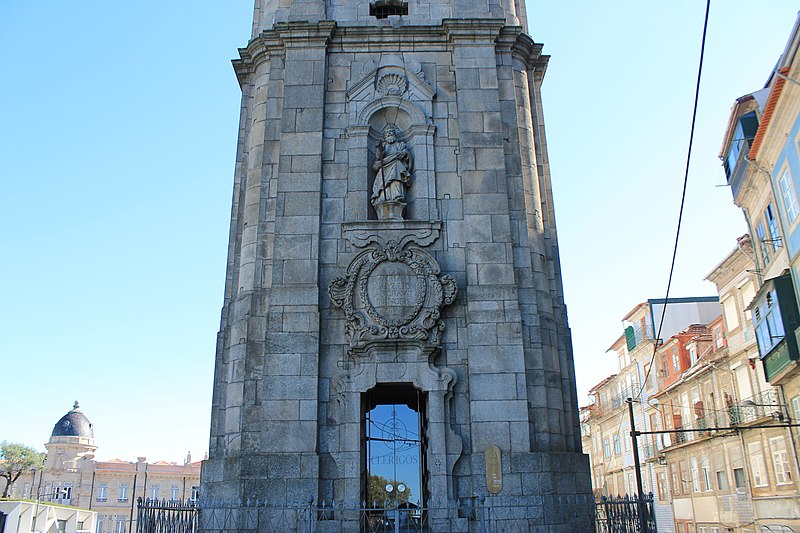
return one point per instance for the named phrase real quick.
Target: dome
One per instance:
(73, 424)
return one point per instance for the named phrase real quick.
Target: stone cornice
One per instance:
(382, 38)
(472, 31)
(277, 39)
(523, 49)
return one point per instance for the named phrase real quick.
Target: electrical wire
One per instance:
(683, 197)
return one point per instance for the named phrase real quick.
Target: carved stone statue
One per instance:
(392, 174)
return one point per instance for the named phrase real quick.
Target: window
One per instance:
(769, 323)
(705, 472)
(153, 492)
(746, 127)
(661, 482)
(738, 479)
(747, 292)
(695, 475)
(384, 8)
(677, 483)
(788, 195)
(780, 461)
(722, 480)
(606, 448)
(66, 492)
(676, 361)
(617, 449)
(719, 338)
(173, 493)
(654, 441)
(729, 311)
(100, 523)
(119, 526)
(795, 403)
(766, 256)
(757, 466)
(102, 492)
(686, 479)
(772, 227)
(692, 355)
(195, 492)
(123, 492)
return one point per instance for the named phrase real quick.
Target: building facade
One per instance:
(393, 270)
(728, 391)
(71, 476)
(722, 455)
(639, 353)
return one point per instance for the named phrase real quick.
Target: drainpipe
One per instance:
(91, 490)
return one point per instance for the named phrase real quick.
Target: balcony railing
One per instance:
(755, 408)
(636, 334)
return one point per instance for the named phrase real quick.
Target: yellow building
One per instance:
(72, 476)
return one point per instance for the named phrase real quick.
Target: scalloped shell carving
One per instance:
(392, 85)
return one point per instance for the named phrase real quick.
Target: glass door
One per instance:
(395, 458)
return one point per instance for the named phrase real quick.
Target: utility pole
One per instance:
(638, 467)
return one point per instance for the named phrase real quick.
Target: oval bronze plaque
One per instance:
(394, 292)
(494, 469)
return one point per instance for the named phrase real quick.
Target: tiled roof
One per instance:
(609, 378)
(766, 116)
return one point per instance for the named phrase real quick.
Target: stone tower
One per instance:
(393, 312)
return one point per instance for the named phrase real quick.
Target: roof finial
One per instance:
(76, 405)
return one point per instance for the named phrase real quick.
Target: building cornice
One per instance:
(281, 36)
(384, 38)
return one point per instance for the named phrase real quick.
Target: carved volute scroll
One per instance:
(392, 293)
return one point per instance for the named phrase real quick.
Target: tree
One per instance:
(15, 459)
(376, 491)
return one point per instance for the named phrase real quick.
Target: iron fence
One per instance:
(621, 514)
(166, 516)
(471, 515)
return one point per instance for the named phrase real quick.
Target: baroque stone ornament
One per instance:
(392, 84)
(392, 294)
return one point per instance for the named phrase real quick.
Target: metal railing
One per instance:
(763, 405)
(165, 516)
(621, 514)
(476, 515)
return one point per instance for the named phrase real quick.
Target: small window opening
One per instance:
(384, 8)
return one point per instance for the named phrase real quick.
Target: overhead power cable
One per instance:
(683, 198)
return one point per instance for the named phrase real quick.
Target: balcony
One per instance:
(636, 334)
(754, 409)
(699, 428)
(737, 174)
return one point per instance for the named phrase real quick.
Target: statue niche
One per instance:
(393, 168)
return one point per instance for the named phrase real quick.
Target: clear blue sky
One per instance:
(117, 143)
